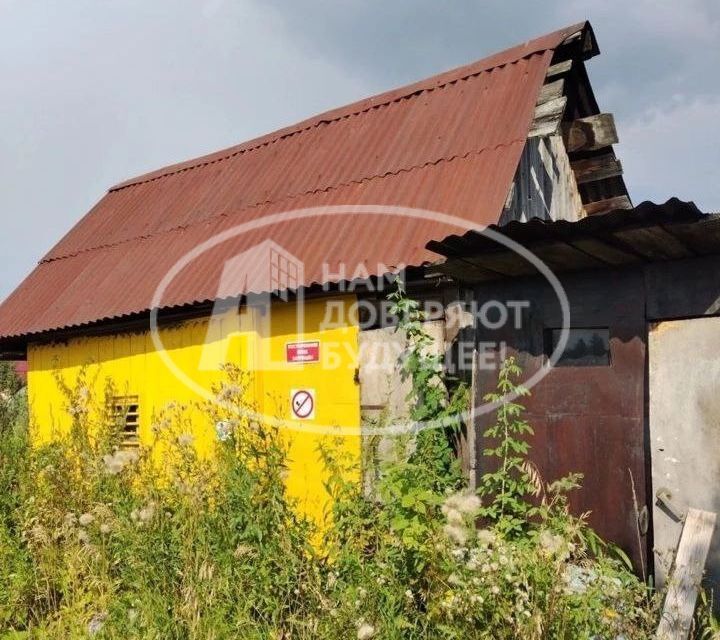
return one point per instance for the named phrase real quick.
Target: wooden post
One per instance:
(471, 435)
(684, 583)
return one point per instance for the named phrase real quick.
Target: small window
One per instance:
(586, 347)
(125, 413)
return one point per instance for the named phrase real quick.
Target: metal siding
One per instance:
(589, 419)
(449, 143)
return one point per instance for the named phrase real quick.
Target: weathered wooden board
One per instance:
(605, 252)
(605, 206)
(685, 581)
(559, 69)
(544, 185)
(551, 91)
(654, 243)
(598, 168)
(548, 116)
(588, 134)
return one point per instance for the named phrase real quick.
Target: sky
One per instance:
(96, 91)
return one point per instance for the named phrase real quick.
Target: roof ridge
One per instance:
(504, 58)
(217, 216)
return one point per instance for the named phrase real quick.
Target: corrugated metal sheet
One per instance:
(675, 218)
(450, 143)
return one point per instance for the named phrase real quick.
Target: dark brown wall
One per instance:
(586, 419)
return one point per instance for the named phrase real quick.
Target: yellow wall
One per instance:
(255, 340)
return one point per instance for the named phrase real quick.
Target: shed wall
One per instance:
(253, 339)
(594, 419)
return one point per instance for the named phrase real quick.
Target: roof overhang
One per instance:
(647, 233)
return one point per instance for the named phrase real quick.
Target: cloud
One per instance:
(95, 92)
(672, 150)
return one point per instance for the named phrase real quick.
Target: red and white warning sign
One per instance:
(302, 403)
(302, 351)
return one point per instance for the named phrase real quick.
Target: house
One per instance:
(632, 400)
(271, 254)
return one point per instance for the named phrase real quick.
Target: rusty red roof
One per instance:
(450, 143)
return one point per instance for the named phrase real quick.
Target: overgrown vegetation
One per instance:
(161, 543)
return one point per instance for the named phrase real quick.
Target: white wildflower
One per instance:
(242, 550)
(228, 392)
(456, 533)
(223, 430)
(409, 594)
(553, 544)
(146, 513)
(365, 631)
(112, 465)
(86, 519)
(185, 439)
(486, 537)
(469, 504)
(453, 516)
(115, 463)
(83, 537)
(105, 528)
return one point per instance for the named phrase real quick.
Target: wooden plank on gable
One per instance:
(560, 68)
(597, 168)
(548, 117)
(591, 133)
(607, 205)
(551, 91)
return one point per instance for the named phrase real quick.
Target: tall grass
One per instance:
(161, 543)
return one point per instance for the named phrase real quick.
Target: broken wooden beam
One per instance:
(684, 583)
(597, 168)
(609, 204)
(591, 133)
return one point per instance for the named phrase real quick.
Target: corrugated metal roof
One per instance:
(450, 143)
(648, 233)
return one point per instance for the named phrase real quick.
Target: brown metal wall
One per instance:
(586, 419)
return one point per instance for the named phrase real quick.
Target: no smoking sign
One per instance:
(302, 404)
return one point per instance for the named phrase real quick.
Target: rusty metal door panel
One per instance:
(587, 419)
(684, 413)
